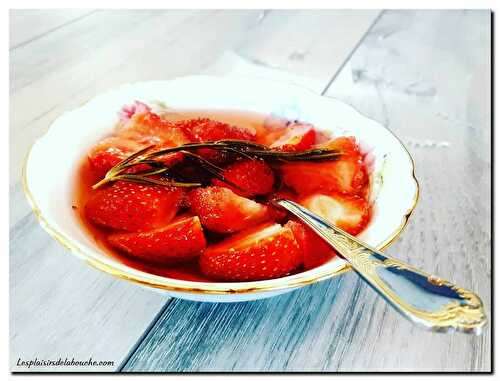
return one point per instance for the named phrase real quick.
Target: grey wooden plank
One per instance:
(431, 86)
(77, 42)
(81, 311)
(59, 313)
(443, 114)
(27, 25)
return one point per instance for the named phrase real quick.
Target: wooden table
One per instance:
(425, 75)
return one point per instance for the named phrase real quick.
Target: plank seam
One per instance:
(143, 336)
(349, 56)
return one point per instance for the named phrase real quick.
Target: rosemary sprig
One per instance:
(251, 149)
(243, 148)
(117, 172)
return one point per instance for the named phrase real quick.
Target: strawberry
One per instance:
(109, 152)
(223, 211)
(315, 251)
(180, 240)
(204, 129)
(345, 175)
(297, 137)
(350, 213)
(254, 177)
(265, 252)
(149, 129)
(133, 207)
(140, 124)
(138, 128)
(278, 213)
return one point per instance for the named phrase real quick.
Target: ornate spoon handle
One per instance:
(424, 299)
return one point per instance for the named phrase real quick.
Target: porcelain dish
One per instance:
(394, 185)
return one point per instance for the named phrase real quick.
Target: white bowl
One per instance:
(73, 133)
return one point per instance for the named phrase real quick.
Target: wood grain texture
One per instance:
(430, 85)
(60, 307)
(30, 24)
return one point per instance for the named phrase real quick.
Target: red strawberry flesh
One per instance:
(298, 137)
(223, 211)
(315, 251)
(350, 213)
(180, 240)
(109, 152)
(266, 252)
(345, 175)
(253, 177)
(204, 129)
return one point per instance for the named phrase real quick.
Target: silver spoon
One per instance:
(424, 299)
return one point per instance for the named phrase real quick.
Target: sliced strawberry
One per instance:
(346, 144)
(204, 129)
(151, 129)
(297, 137)
(350, 213)
(315, 251)
(180, 240)
(278, 213)
(223, 211)
(140, 124)
(265, 252)
(133, 207)
(345, 175)
(138, 128)
(254, 177)
(109, 152)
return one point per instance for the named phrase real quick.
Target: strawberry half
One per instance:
(204, 129)
(265, 252)
(180, 240)
(278, 213)
(133, 207)
(297, 137)
(223, 211)
(350, 213)
(109, 152)
(315, 251)
(254, 177)
(139, 123)
(148, 128)
(345, 175)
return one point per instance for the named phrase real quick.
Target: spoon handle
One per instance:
(424, 299)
